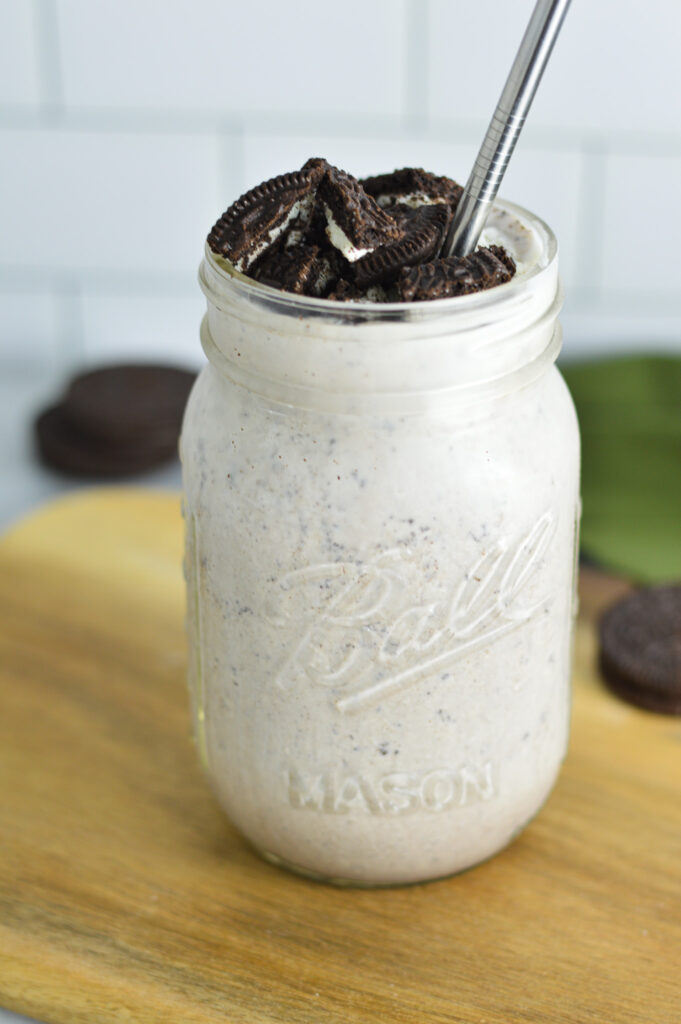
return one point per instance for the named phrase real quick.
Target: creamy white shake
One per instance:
(381, 507)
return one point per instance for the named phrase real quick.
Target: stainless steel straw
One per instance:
(505, 127)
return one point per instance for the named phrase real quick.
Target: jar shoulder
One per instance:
(221, 414)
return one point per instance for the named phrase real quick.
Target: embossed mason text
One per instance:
(439, 789)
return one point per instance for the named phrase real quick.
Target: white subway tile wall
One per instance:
(614, 67)
(19, 62)
(235, 58)
(164, 327)
(87, 201)
(637, 204)
(127, 127)
(29, 327)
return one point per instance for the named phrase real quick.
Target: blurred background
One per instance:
(126, 128)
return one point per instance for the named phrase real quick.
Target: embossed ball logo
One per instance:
(364, 637)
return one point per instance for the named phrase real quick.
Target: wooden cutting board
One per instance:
(125, 895)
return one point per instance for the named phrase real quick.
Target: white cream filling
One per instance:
(339, 240)
(294, 238)
(413, 199)
(325, 275)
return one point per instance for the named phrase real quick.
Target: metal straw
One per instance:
(505, 127)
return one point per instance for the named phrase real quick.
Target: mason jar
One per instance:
(381, 507)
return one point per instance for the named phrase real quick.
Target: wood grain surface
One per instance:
(125, 895)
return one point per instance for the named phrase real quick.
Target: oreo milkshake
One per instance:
(381, 497)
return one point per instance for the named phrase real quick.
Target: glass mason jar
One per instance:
(381, 510)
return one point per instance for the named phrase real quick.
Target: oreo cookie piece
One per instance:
(640, 648)
(412, 186)
(346, 291)
(355, 223)
(66, 447)
(424, 230)
(456, 275)
(259, 217)
(299, 268)
(129, 401)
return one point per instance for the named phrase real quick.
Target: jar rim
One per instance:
(216, 272)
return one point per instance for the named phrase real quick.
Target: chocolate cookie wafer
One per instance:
(424, 230)
(254, 222)
(412, 186)
(640, 648)
(346, 291)
(64, 446)
(456, 275)
(303, 269)
(129, 401)
(356, 224)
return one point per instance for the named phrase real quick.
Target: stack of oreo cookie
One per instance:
(320, 232)
(115, 421)
(640, 648)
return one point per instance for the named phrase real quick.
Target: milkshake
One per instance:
(381, 502)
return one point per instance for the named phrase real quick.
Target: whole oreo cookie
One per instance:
(640, 648)
(65, 447)
(132, 401)
(456, 275)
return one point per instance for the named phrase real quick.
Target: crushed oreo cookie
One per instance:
(346, 291)
(322, 233)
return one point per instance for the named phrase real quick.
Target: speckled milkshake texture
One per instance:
(381, 524)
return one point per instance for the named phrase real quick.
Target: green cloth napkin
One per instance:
(630, 419)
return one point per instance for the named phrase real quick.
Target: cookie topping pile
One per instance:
(320, 232)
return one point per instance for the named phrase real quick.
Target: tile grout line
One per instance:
(46, 34)
(231, 163)
(416, 123)
(590, 220)
(105, 280)
(416, 18)
(70, 341)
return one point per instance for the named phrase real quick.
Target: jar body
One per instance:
(380, 611)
